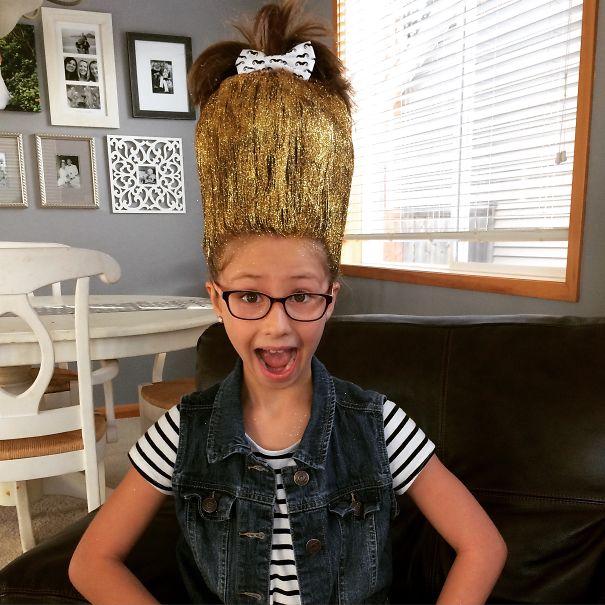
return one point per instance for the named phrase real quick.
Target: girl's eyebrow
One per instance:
(290, 277)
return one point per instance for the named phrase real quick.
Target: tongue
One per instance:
(276, 359)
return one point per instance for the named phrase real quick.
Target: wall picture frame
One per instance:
(19, 70)
(158, 76)
(146, 174)
(13, 191)
(80, 68)
(67, 168)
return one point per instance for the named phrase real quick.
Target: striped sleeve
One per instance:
(409, 449)
(154, 454)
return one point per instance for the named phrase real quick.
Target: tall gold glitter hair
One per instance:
(274, 151)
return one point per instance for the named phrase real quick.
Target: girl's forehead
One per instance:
(269, 255)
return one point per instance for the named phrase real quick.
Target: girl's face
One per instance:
(83, 68)
(94, 69)
(276, 350)
(70, 65)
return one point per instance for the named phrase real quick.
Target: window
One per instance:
(471, 141)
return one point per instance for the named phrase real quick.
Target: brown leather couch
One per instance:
(516, 406)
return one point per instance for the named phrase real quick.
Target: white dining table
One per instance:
(120, 326)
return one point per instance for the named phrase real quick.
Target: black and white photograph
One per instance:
(81, 42)
(83, 97)
(68, 171)
(80, 68)
(158, 76)
(13, 192)
(3, 171)
(161, 77)
(147, 175)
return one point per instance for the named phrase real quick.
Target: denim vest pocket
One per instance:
(212, 505)
(356, 515)
(208, 523)
(360, 503)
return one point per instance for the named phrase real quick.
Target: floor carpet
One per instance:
(50, 514)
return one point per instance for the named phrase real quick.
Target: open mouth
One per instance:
(278, 361)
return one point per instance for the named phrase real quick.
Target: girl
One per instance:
(284, 477)
(71, 68)
(83, 74)
(93, 69)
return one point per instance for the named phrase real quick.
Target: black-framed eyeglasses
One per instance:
(300, 306)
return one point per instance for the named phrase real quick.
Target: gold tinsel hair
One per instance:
(274, 152)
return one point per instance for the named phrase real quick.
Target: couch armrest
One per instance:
(40, 574)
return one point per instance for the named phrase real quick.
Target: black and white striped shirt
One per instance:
(408, 448)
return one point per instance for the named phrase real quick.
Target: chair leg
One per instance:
(102, 480)
(24, 518)
(144, 421)
(110, 416)
(93, 484)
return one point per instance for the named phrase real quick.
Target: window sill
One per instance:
(566, 290)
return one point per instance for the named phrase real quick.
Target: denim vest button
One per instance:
(313, 546)
(301, 478)
(209, 504)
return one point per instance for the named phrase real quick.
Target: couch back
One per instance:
(516, 407)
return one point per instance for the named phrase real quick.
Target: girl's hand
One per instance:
(464, 525)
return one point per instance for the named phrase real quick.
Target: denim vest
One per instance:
(339, 495)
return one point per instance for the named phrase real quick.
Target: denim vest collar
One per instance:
(226, 431)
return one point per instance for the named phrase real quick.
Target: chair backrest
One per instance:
(24, 270)
(56, 287)
(32, 245)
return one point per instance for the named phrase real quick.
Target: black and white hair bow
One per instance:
(300, 60)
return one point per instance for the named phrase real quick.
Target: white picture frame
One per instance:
(76, 98)
(146, 174)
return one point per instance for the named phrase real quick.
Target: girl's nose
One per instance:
(277, 318)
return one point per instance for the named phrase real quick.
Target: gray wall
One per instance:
(158, 254)
(161, 254)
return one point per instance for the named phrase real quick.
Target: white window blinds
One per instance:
(464, 133)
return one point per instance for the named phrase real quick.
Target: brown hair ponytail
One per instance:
(275, 29)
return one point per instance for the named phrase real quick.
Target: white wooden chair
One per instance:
(64, 380)
(37, 442)
(160, 395)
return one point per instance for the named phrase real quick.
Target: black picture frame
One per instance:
(158, 67)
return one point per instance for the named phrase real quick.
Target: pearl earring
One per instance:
(220, 319)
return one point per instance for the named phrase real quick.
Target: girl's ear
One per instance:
(215, 298)
(335, 290)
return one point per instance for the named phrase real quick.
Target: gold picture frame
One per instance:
(67, 168)
(13, 191)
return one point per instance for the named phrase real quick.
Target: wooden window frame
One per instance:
(567, 290)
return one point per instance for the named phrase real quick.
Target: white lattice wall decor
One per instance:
(146, 174)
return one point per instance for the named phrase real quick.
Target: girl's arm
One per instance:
(458, 517)
(97, 569)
